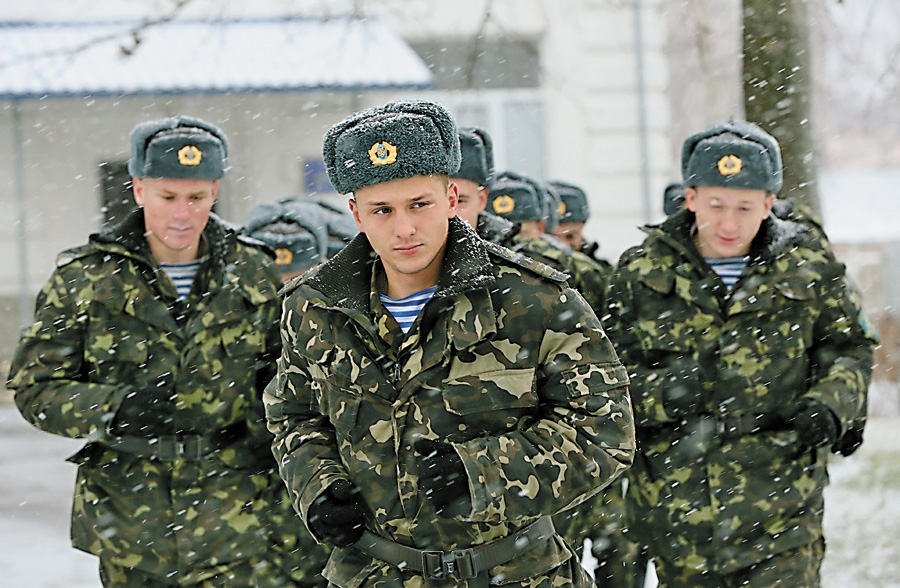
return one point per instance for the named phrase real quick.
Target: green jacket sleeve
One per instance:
(48, 376)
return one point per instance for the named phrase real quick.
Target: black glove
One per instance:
(147, 411)
(443, 477)
(814, 423)
(337, 516)
(682, 391)
(849, 442)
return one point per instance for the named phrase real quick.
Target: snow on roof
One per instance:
(109, 58)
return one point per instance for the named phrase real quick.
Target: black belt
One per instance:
(172, 447)
(462, 563)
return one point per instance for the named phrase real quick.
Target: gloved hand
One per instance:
(443, 477)
(147, 410)
(682, 390)
(849, 442)
(337, 516)
(814, 423)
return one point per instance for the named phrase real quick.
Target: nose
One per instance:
(729, 221)
(404, 227)
(182, 210)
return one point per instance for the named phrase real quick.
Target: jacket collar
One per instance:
(218, 237)
(775, 235)
(346, 279)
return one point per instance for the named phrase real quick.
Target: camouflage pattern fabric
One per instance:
(787, 330)
(602, 518)
(592, 250)
(585, 275)
(108, 320)
(505, 363)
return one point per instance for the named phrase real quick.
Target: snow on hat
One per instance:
(395, 141)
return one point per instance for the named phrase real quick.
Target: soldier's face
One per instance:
(175, 214)
(406, 222)
(570, 233)
(727, 218)
(472, 200)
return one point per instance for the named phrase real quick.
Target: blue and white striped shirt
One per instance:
(728, 268)
(405, 310)
(183, 275)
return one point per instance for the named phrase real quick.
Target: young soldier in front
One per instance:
(438, 397)
(746, 363)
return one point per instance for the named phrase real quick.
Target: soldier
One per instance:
(438, 396)
(747, 364)
(575, 210)
(531, 206)
(473, 181)
(152, 342)
(295, 230)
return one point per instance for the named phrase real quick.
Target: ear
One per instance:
(482, 199)
(137, 190)
(453, 198)
(690, 198)
(215, 190)
(353, 209)
(769, 203)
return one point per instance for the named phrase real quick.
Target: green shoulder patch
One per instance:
(523, 261)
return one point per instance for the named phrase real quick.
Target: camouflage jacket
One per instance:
(786, 330)
(109, 319)
(585, 275)
(504, 362)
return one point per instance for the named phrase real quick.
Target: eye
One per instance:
(382, 210)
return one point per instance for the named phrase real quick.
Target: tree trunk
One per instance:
(778, 89)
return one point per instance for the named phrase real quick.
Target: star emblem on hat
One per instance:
(189, 155)
(383, 153)
(730, 165)
(561, 209)
(504, 204)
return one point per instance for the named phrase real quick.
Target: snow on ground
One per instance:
(862, 511)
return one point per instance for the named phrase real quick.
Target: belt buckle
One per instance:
(169, 448)
(437, 565)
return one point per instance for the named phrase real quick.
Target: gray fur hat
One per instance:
(732, 154)
(515, 199)
(398, 140)
(673, 198)
(547, 195)
(341, 226)
(574, 206)
(178, 147)
(477, 150)
(295, 230)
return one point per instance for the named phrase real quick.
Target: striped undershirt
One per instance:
(728, 268)
(405, 310)
(182, 274)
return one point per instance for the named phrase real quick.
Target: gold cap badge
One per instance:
(383, 153)
(504, 204)
(189, 155)
(283, 256)
(561, 209)
(730, 165)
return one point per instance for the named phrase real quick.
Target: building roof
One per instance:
(179, 57)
